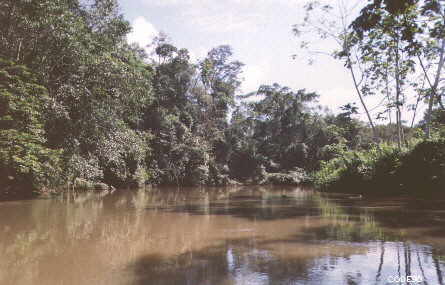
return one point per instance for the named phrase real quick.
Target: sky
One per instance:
(260, 33)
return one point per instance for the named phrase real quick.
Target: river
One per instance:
(242, 235)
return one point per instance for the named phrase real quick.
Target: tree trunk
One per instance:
(360, 95)
(434, 92)
(419, 98)
(398, 102)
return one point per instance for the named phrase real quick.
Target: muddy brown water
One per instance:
(244, 235)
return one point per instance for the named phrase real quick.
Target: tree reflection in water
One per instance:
(248, 235)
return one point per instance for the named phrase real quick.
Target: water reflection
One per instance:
(245, 235)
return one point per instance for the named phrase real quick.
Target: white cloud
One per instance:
(143, 32)
(253, 77)
(212, 2)
(223, 15)
(198, 54)
(221, 23)
(181, 2)
(336, 97)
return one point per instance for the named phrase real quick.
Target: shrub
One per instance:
(374, 171)
(385, 169)
(423, 169)
(26, 163)
(296, 176)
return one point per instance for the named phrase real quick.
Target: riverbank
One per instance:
(386, 170)
(295, 177)
(382, 170)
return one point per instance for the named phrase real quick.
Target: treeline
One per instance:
(79, 105)
(393, 50)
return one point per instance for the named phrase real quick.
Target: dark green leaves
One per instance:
(25, 161)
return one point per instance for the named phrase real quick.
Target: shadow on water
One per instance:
(357, 252)
(197, 236)
(241, 262)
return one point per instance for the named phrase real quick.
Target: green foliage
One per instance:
(296, 176)
(385, 169)
(423, 169)
(283, 130)
(80, 106)
(96, 86)
(25, 160)
(357, 171)
(188, 117)
(281, 127)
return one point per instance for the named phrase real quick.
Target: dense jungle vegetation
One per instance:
(79, 106)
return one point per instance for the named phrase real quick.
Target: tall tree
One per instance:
(405, 31)
(26, 162)
(332, 22)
